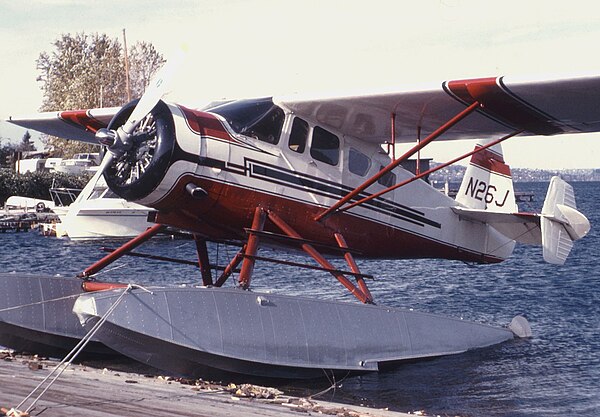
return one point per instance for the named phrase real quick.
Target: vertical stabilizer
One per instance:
(487, 184)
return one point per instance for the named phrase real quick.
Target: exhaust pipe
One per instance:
(196, 192)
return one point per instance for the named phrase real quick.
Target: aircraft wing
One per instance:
(546, 107)
(78, 125)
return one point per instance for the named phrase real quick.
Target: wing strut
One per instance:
(424, 174)
(420, 145)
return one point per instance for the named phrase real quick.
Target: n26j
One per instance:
(480, 190)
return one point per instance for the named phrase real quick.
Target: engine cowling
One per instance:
(137, 172)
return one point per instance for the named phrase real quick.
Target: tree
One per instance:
(87, 71)
(6, 153)
(26, 143)
(144, 61)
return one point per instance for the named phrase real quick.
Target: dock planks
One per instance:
(93, 392)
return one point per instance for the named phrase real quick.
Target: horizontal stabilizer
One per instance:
(520, 227)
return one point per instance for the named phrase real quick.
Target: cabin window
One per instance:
(325, 146)
(299, 135)
(358, 162)
(260, 119)
(388, 179)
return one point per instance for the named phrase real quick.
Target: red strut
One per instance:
(122, 250)
(434, 135)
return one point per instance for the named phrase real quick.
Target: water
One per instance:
(556, 372)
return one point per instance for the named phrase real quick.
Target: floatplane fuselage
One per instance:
(297, 169)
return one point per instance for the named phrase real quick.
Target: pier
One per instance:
(85, 390)
(24, 222)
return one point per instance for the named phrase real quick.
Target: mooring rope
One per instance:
(51, 300)
(39, 302)
(71, 355)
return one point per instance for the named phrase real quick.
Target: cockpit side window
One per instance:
(260, 119)
(325, 146)
(388, 179)
(299, 135)
(358, 162)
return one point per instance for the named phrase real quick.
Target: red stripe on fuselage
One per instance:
(490, 161)
(503, 105)
(204, 124)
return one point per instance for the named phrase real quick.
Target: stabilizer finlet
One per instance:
(561, 222)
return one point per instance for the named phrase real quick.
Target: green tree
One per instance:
(6, 152)
(26, 143)
(88, 71)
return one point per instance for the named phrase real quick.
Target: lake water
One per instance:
(554, 373)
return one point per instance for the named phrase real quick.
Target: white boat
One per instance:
(20, 205)
(99, 213)
(79, 163)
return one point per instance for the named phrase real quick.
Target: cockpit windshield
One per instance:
(257, 118)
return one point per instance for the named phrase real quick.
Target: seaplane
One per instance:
(329, 176)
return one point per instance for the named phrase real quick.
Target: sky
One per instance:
(271, 47)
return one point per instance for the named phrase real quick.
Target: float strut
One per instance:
(203, 261)
(258, 223)
(353, 267)
(231, 267)
(278, 221)
(122, 250)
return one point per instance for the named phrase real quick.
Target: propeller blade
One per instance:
(119, 141)
(108, 157)
(156, 90)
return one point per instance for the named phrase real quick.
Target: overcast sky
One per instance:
(267, 47)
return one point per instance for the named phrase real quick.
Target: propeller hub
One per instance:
(117, 141)
(106, 137)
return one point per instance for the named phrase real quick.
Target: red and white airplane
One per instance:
(317, 165)
(312, 174)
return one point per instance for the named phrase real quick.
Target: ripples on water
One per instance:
(556, 372)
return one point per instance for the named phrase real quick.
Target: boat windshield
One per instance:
(257, 118)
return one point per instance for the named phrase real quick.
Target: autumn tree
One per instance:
(88, 71)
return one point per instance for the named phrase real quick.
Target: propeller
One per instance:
(119, 141)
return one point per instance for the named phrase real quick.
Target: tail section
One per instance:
(487, 184)
(486, 195)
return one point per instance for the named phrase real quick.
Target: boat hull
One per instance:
(199, 332)
(105, 218)
(36, 316)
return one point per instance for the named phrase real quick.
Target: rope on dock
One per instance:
(64, 364)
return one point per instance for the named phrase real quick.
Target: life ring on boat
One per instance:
(40, 207)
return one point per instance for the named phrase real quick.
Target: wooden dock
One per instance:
(88, 391)
(24, 222)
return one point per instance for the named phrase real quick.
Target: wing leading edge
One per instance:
(78, 125)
